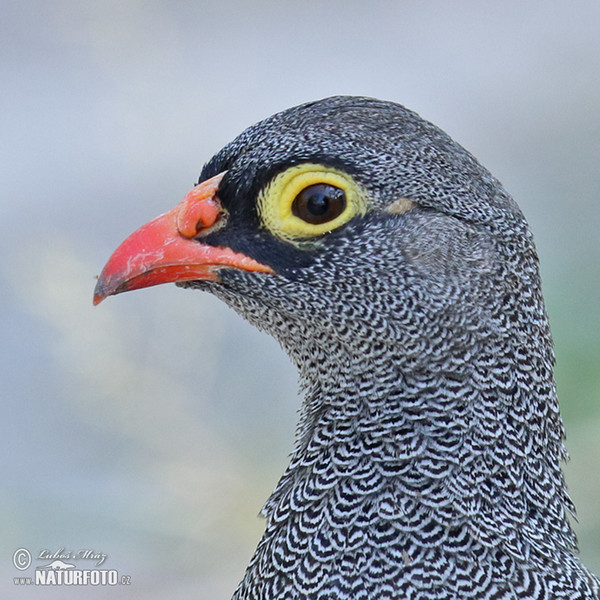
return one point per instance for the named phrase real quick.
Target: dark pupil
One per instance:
(319, 203)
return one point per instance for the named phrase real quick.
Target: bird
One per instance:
(402, 280)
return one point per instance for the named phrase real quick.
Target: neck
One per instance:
(427, 457)
(417, 472)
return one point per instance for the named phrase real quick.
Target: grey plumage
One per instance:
(427, 459)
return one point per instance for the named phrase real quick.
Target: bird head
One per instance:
(344, 223)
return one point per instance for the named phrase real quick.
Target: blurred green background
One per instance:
(153, 427)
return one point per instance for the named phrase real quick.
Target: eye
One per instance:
(319, 203)
(308, 200)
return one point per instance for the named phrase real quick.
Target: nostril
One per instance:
(196, 215)
(200, 209)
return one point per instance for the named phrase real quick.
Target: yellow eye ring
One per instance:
(309, 200)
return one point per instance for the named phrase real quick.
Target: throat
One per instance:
(364, 464)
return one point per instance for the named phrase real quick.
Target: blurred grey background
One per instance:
(152, 427)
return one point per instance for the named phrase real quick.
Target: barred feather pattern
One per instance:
(427, 458)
